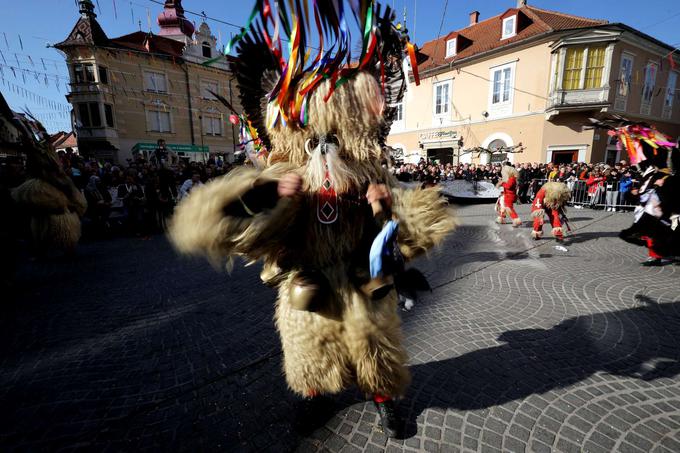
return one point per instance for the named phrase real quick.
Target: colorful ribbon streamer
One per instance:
(304, 67)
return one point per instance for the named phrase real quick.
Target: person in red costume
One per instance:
(508, 182)
(550, 200)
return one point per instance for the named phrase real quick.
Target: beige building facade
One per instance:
(132, 91)
(534, 77)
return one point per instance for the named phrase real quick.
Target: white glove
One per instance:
(675, 220)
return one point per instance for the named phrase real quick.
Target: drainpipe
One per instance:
(191, 111)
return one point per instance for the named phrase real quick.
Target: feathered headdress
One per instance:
(640, 140)
(289, 47)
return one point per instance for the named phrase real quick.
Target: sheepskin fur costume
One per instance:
(556, 194)
(351, 339)
(55, 214)
(49, 197)
(348, 338)
(323, 233)
(550, 200)
(508, 182)
(507, 172)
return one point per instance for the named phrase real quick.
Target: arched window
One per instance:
(207, 51)
(497, 144)
(494, 146)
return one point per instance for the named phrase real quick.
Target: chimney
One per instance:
(521, 3)
(474, 17)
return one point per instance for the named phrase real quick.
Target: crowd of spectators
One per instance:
(592, 184)
(137, 198)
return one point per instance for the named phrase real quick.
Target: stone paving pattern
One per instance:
(520, 347)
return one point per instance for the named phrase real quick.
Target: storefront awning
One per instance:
(172, 147)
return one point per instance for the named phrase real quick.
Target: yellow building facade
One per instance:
(132, 91)
(534, 77)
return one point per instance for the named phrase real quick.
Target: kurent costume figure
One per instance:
(550, 201)
(506, 200)
(330, 224)
(48, 197)
(657, 216)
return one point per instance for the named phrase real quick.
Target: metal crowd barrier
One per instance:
(603, 195)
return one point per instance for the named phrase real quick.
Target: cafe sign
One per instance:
(178, 148)
(438, 135)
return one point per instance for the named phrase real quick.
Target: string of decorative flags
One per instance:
(34, 97)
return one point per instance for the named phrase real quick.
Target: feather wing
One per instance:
(255, 68)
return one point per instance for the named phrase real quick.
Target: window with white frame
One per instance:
(398, 122)
(584, 67)
(501, 89)
(158, 120)
(155, 81)
(502, 85)
(89, 114)
(670, 94)
(442, 96)
(212, 125)
(648, 90)
(399, 113)
(208, 86)
(509, 27)
(83, 73)
(451, 48)
(103, 75)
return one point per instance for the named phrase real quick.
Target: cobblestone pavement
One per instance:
(520, 347)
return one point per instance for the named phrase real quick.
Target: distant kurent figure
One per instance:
(506, 200)
(657, 217)
(550, 201)
(331, 225)
(49, 197)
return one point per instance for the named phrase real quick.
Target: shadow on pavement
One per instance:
(579, 237)
(638, 343)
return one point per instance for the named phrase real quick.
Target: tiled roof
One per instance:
(63, 140)
(148, 42)
(87, 31)
(486, 35)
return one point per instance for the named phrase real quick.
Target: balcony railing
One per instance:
(577, 98)
(92, 87)
(97, 132)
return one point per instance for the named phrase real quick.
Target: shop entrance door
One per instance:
(564, 157)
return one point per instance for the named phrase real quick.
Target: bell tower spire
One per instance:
(172, 21)
(87, 9)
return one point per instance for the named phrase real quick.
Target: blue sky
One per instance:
(32, 24)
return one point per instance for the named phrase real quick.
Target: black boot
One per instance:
(313, 413)
(388, 418)
(655, 262)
